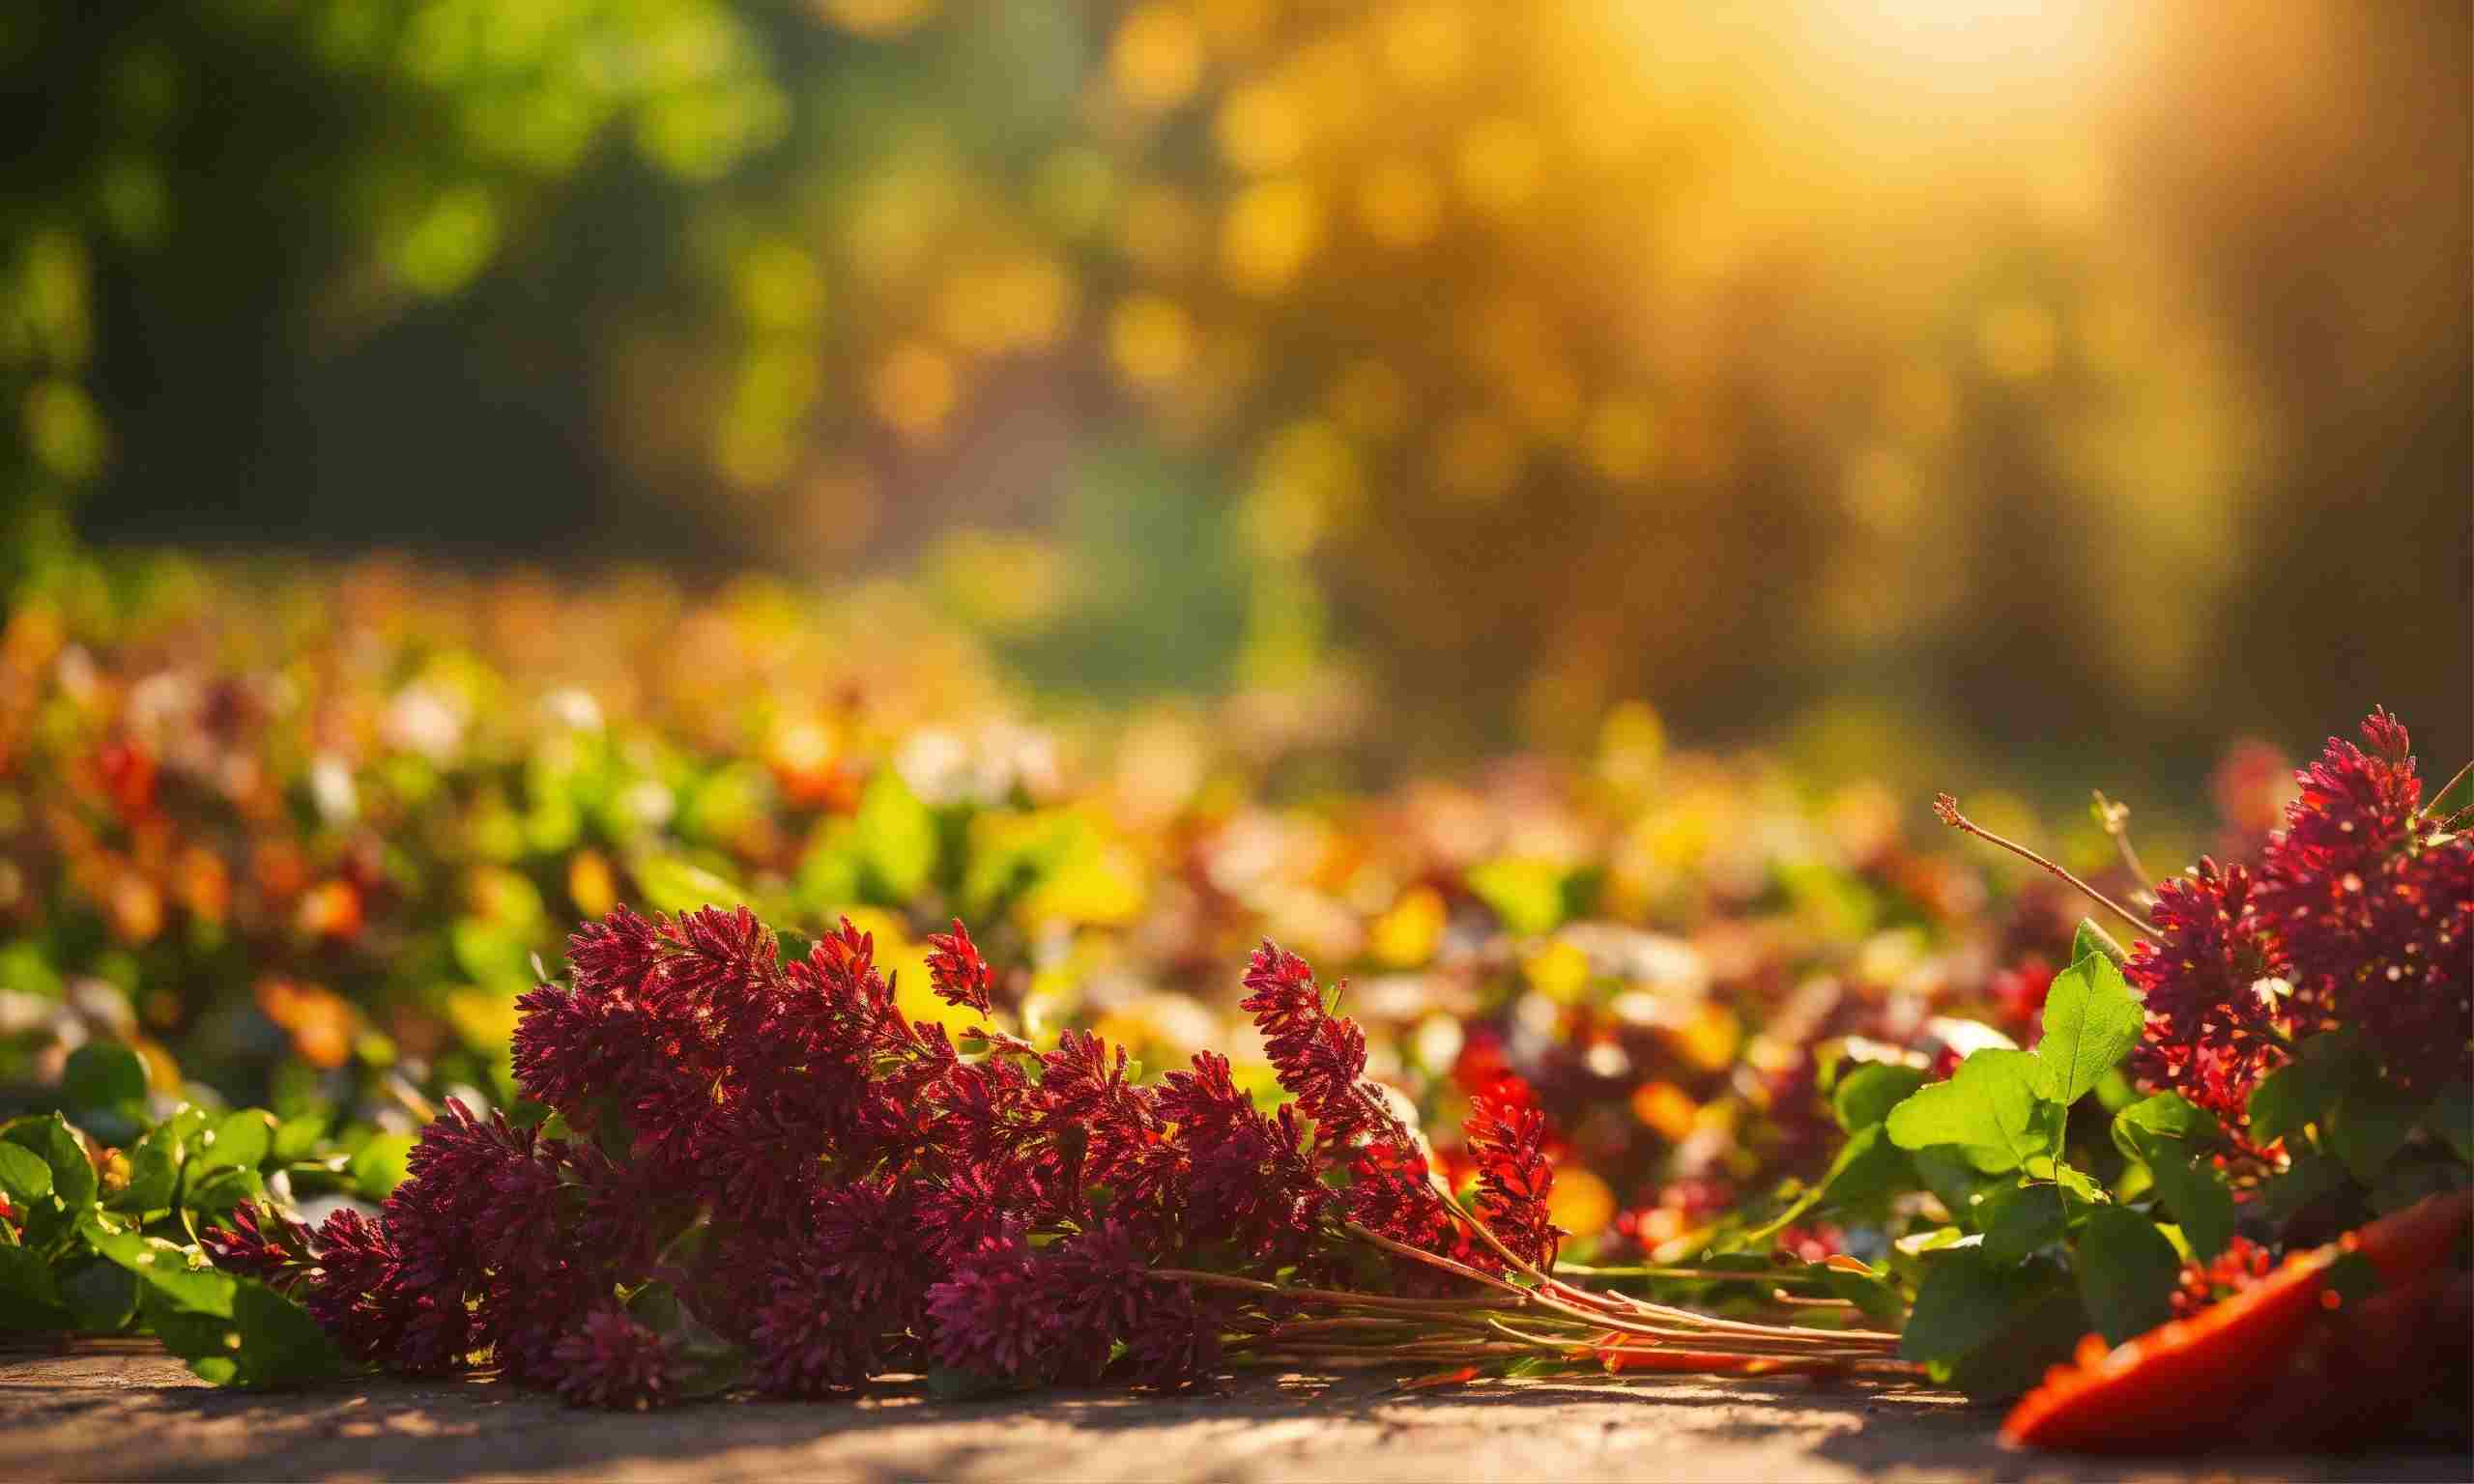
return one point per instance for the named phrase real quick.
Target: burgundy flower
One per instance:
(1513, 1178)
(992, 1316)
(612, 1360)
(1320, 1058)
(2208, 1022)
(955, 972)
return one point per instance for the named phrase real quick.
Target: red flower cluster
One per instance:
(2360, 913)
(838, 1192)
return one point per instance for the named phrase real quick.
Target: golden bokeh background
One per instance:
(2083, 382)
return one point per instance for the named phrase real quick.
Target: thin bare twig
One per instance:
(1947, 807)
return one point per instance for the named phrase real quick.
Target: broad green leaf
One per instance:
(1990, 1109)
(103, 1075)
(1871, 1291)
(30, 1300)
(1865, 1096)
(2044, 1327)
(280, 1344)
(2370, 1123)
(2020, 1220)
(2092, 938)
(223, 1190)
(2167, 1115)
(2195, 1191)
(671, 883)
(1868, 1169)
(2091, 1021)
(1946, 1171)
(295, 1138)
(1968, 1300)
(24, 1177)
(100, 1294)
(379, 1167)
(211, 1343)
(238, 1141)
(177, 1275)
(2304, 1091)
(2127, 1272)
(154, 1173)
(2451, 1118)
(72, 1174)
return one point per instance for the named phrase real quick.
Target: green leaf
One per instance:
(2092, 938)
(1868, 1169)
(2020, 1220)
(280, 1344)
(2451, 1118)
(103, 1074)
(2305, 1090)
(2195, 1191)
(1953, 1180)
(1865, 1096)
(154, 1173)
(2091, 1021)
(241, 1141)
(2169, 1116)
(296, 1139)
(379, 1167)
(176, 1276)
(223, 1190)
(671, 883)
(1968, 1300)
(2044, 1327)
(1871, 1291)
(30, 1301)
(897, 840)
(24, 1177)
(1990, 1109)
(72, 1174)
(2371, 1121)
(2127, 1272)
(100, 1295)
(211, 1343)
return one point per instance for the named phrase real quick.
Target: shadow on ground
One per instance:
(121, 1413)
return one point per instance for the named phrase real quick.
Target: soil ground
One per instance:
(127, 1413)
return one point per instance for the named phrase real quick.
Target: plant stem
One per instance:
(1947, 807)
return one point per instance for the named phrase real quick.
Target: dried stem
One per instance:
(1947, 807)
(2116, 818)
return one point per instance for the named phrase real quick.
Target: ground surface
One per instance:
(127, 1413)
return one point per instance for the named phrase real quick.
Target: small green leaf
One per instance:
(2091, 1021)
(2020, 1220)
(1868, 1169)
(2092, 938)
(379, 1167)
(2127, 1272)
(1865, 1096)
(223, 1190)
(103, 1075)
(2451, 1118)
(1990, 1109)
(2167, 1115)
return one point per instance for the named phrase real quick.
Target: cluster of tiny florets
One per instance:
(2359, 913)
(802, 1175)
